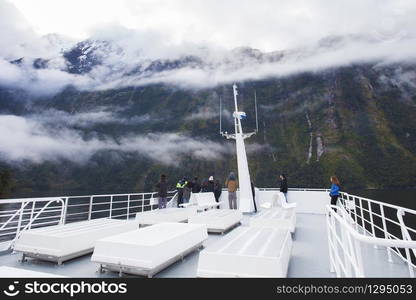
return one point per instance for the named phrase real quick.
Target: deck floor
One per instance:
(309, 257)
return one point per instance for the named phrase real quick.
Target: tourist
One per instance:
(196, 186)
(162, 191)
(334, 192)
(179, 187)
(217, 190)
(283, 188)
(253, 191)
(211, 183)
(232, 185)
(187, 191)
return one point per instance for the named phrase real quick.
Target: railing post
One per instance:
(90, 208)
(19, 223)
(354, 249)
(142, 202)
(111, 206)
(31, 213)
(335, 247)
(128, 206)
(355, 213)
(400, 214)
(373, 232)
(345, 249)
(330, 243)
(151, 200)
(386, 235)
(65, 210)
(345, 197)
(362, 216)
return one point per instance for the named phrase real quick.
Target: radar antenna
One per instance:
(245, 196)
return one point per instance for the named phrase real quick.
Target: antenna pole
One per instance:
(255, 104)
(220, 115)
(245, 195)
(237, 121)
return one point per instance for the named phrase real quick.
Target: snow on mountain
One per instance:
(107, 64)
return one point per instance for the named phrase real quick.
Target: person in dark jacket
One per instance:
(196, 186)
(335, 189)
(210, 185)
(217, 190)
(190, 185)
(204, 186)
(179, 187)
(187, 191)
(283, 186)
(253, 191)
(162, 191)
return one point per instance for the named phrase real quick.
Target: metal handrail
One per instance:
(384, 220)
(28, 226)
(18, 212)
(294, 189)
(369, 239)
(352, 235)
(12, 221)
(412, 211)
(17, 230)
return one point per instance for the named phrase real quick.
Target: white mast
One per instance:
(246, 197)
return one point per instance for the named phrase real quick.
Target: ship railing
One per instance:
(295, 190)
(361, 220)
(17, 215)
(27, 214)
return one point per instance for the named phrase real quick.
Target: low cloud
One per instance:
(103, 115)
(44, 82)
(23, 139)
(204, 113)
(208, 113)
(256, 148)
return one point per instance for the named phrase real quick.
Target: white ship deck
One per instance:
(310, 257)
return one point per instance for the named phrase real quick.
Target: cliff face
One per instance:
(357, 122)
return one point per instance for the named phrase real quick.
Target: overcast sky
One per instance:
(147, 30)
(263, 24)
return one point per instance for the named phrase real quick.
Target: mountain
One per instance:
(84, 56)
(356, 121)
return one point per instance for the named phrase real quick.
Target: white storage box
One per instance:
(247, 252)
(165, 215)
(62, 242)
(284, 218)
(218, 220)
(148, 250)
(202, 201)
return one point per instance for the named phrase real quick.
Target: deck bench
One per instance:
(171, 214)
(218, 220)
(60, 243)
(202, 201)
(276, 217)
(148, 250)
(247, 252)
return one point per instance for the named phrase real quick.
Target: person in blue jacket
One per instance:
(335, 189)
